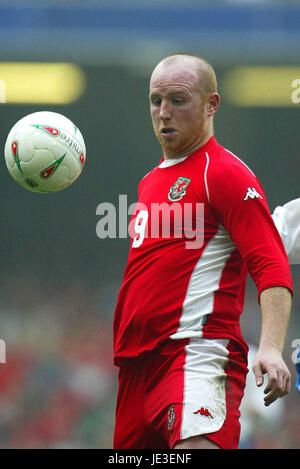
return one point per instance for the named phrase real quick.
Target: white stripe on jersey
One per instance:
(204, 281)
(240, 161)
(205, 176)
(204, 386)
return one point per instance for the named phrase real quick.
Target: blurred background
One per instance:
(58, 280)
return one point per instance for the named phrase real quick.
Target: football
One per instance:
(45, 152)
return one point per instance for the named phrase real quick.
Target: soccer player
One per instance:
(287, 221)
(177, 338)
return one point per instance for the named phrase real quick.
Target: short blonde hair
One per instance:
(206, 73)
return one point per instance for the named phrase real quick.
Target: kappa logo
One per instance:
(252, 193)
(204, 412)
(178, 190)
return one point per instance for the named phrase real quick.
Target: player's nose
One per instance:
(165, 110)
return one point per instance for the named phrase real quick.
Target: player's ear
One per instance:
(212, 103)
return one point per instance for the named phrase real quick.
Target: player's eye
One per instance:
(177, 101)
(156, 101)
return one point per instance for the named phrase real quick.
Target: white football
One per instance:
(45, 152)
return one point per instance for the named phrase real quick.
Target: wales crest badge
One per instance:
(178, 190)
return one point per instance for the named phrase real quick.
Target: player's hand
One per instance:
(270, 361)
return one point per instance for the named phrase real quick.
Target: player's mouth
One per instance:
(168, 132)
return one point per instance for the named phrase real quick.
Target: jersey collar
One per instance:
(206, 147)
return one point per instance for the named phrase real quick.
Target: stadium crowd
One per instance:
(58, 385)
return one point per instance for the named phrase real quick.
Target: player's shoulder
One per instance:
(145, 176)
(152, 172)
(229, 179)
(147, 179)
(224, 162)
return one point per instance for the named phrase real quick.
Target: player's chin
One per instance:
(170, 142)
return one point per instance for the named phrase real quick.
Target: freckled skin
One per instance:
(177, 102)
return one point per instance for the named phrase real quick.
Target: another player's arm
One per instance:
(287, 221)
(275, 306)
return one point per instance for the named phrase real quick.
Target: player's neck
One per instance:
(177, 155)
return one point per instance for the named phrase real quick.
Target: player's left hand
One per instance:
(269, 360)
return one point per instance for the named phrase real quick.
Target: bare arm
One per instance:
(275, 309)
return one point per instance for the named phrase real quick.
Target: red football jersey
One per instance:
(175, 289)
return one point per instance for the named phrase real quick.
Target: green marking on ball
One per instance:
(49, 170)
